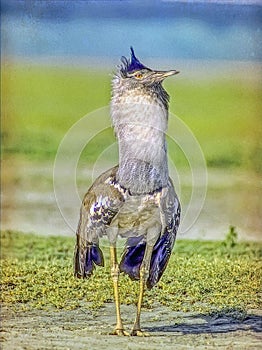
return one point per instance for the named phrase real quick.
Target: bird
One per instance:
(135, 199)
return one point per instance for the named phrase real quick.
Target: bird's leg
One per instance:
(144, 274)
(119, 329)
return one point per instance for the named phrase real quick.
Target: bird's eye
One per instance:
(139, 75)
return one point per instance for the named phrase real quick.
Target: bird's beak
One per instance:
(161, 75)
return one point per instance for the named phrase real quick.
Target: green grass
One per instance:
(40, 104)
(204, 277)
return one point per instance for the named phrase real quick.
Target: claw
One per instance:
(139, 333)
(120, 332)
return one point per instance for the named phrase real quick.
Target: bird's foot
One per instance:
(139, 333)
(120, 332)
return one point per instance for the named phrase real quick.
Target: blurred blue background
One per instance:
(227, 30)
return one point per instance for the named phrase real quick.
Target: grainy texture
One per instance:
(209, 298)
(202, 277)
(88, 330)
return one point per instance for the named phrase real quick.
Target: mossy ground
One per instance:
(205, 277)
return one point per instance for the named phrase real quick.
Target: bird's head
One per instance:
(134, 71)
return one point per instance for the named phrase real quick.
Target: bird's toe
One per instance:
(120, 332)
(139, 333)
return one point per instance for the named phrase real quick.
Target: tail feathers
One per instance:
(159, 260)
(134, 253)
(132, 257)
(86, 259)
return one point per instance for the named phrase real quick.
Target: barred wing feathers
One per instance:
(100, 205)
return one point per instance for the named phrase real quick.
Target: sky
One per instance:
(210, 30)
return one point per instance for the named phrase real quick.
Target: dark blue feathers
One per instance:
(132, 257)
(134, 253)
(92, 256)
(97, 255)
(131, 65)
(160, 257)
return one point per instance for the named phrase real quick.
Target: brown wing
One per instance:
(100, 205)
(170, 208)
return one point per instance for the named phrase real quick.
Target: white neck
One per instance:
(140, 122)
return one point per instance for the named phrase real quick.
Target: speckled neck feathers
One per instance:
(139, 114)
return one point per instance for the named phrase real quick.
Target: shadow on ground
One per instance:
(207, 324)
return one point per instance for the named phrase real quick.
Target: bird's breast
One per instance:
(138, 214)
